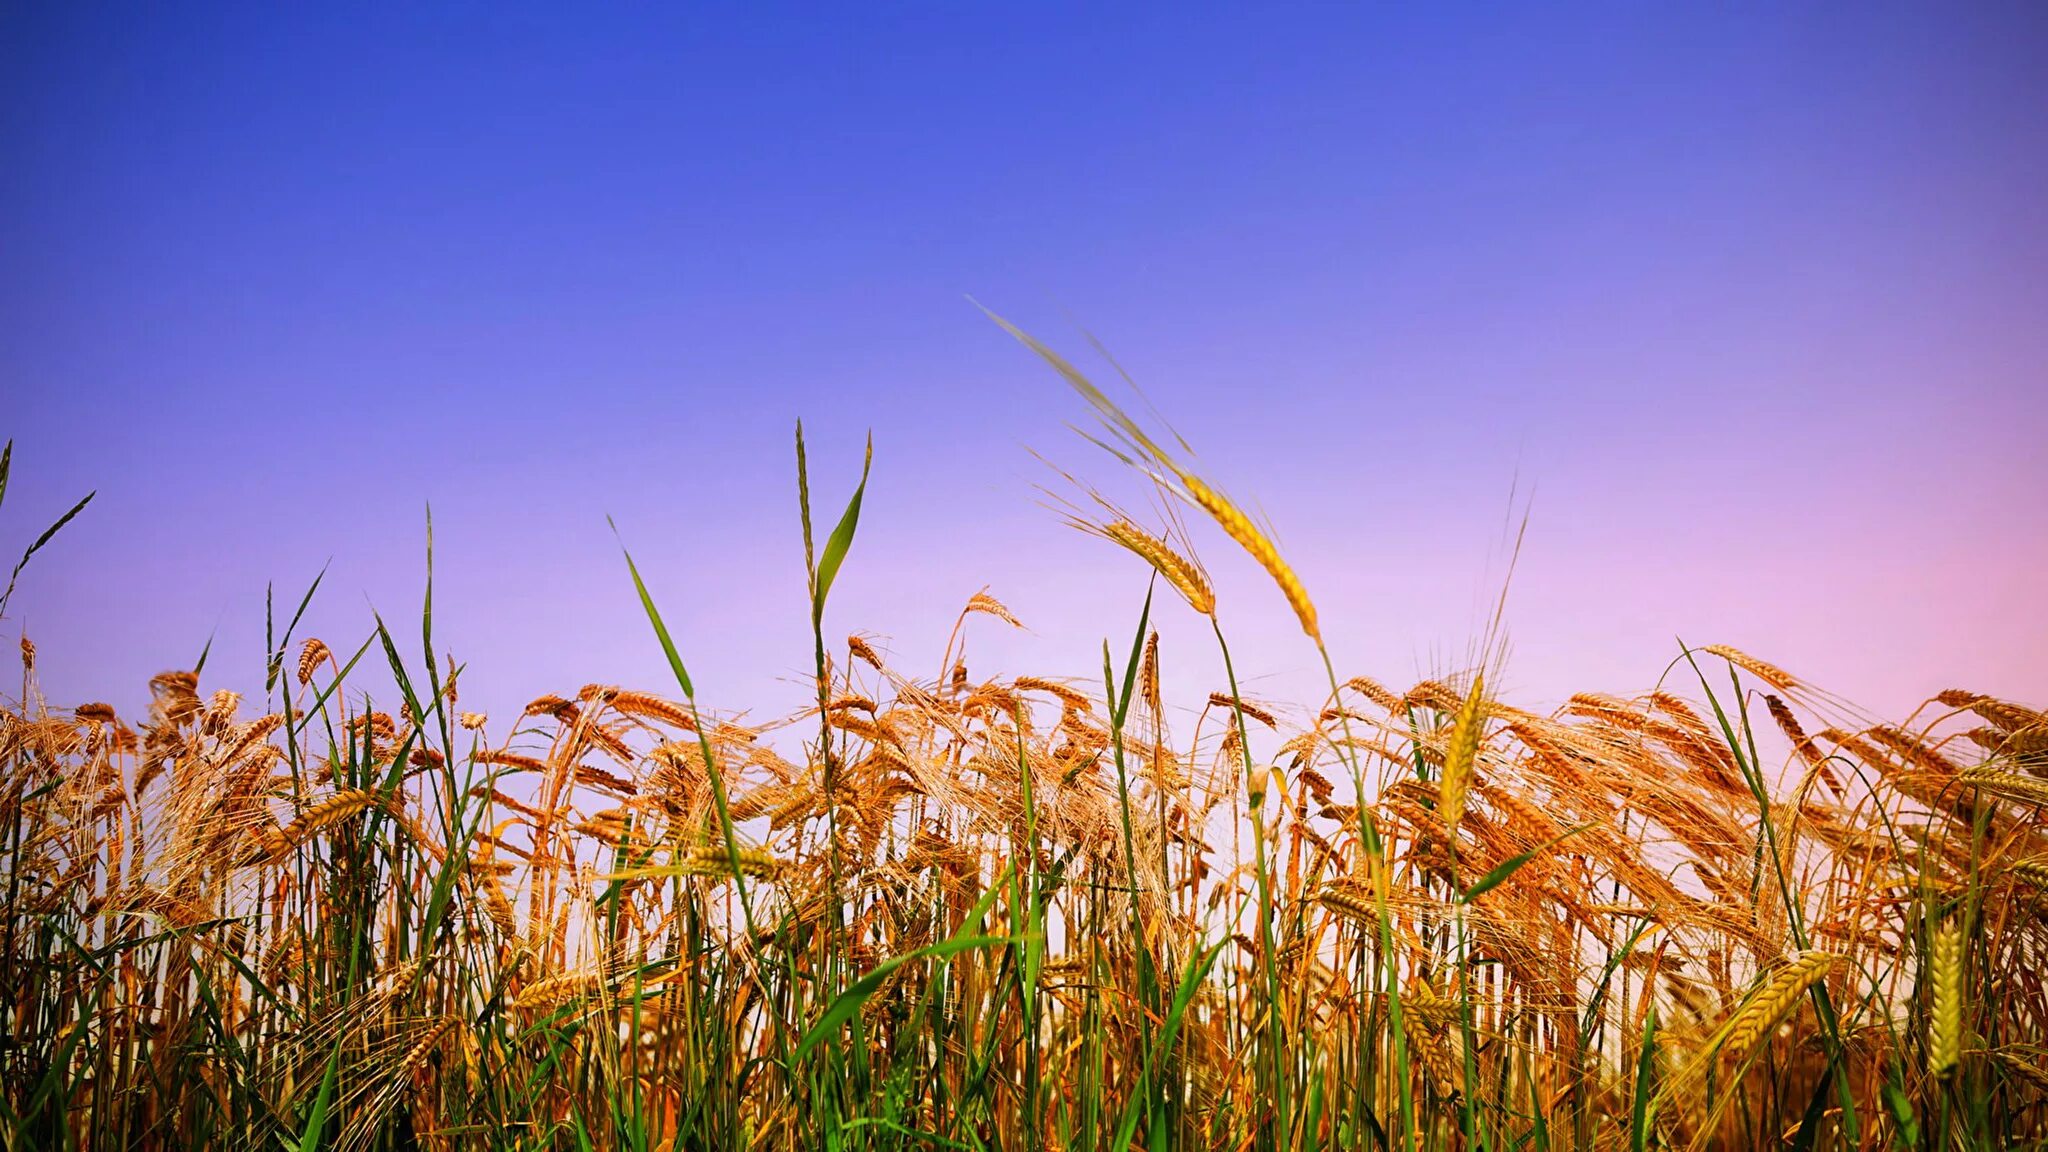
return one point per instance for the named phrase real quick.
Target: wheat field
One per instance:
(1020, 912)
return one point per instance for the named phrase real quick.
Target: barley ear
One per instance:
(1945, 1025)
(1461, 751)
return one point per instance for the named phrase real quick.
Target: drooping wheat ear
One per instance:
(1317, 784)
(647, 706)
(1077, 701)
(1372, 690)
(311, 653)
(552, 705)
(2008, 716)
(1239, 527)
(331, 811)
(1770, 674)
(1349, 900)
(1945, 1025)
(1802, 743)
(989, 605)
(2024, 1062)
(715, 860)
(2010, 785)
(863, 652)
(1425, 1016)
(1774, 999)
(2033, 870)
(558, 990)
(1142, 446)
(1185, 575)
(110, 799)
(1225, 702)
(473, 720)
(1460, 752)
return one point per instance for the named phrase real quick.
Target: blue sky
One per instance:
(1749, 297)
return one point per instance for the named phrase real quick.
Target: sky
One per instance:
(1742, 304)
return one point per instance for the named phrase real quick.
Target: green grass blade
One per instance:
(49, 532)
(1640, 1116)
(836, 545)
(1183, 997)
(668, 645)
(316, 1117)
(849, 1002)
(1513, 864)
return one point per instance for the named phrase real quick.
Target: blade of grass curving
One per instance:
(1513, 864)
(49, 532)
(720, 800)
(1640, 1116)
(857, 994)
(399, 674)
(841, 539)
(849, 1002)
(316, 1118)
(303, 602)
(899, 1128)
(668, 644)
(1169, 1030)
(1594, 1003)
(1745, 753)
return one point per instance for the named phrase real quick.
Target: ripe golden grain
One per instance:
(1372, 690)
(716, 860)
(1945, 1013)
(1776, 997)
(556, 991)
(331, 811)
(2010, 785)
(2033, 870)
(862, 651)
(1224, 702)
(647, 706)
(1071, 698)
(1239, 527)
(1461, 750)
(1183, 574)
(311, 654)
(1349, 900)
(989, 605)
(1148, 675)
(1770, 674)
(1653, 905)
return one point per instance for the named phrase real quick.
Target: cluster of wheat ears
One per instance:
(1020, 913)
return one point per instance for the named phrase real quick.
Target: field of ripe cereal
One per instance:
(1019, 909)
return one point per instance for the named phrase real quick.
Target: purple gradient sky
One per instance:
(1752, 297)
